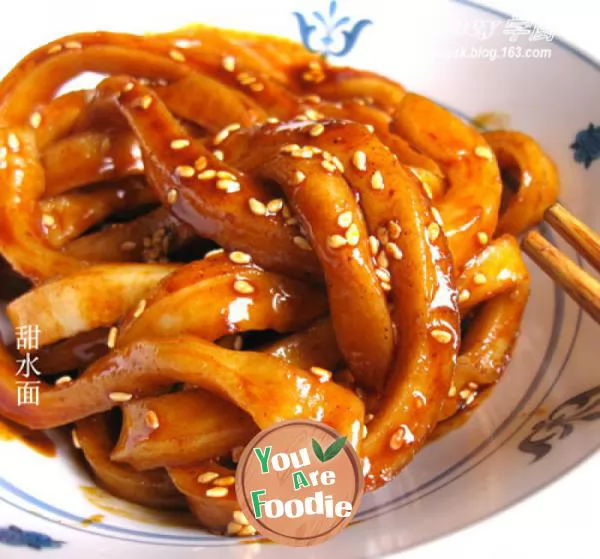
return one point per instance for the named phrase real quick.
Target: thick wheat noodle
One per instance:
(359, 220)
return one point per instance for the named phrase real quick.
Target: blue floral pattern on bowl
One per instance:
(336, 36)
(586, 147)
(15, 536)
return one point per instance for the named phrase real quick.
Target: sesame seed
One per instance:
(243, 78)
(185, 171)
(359, 160)
(441, 336)
(35, 120)
(120, 396)
(427, 190)
(316, 130)
(336, 241)
(394, 229)
(382, 260)
(66, 379)
(224, 481)
(247, 531)
(224, 133)
(172, 195)
(228, 185)
(176, 55)
(394, 251)
(214, 252)
(54, 49)
(313, 115)
(289, 148)
(437, 216)
(273, 120)
(302, 153)
(383, 275)
(200, 163)
(483, 238)
(13, 141)
(370, 128)
(3, 152)
(470, 399)
(236, 454)
(219, 154)
(128, 87)
(243, 287)
(257, 87)
(365, 431)
(151, 419)
(400, 438)
(239, 257)
(179, 143)
(207, 477)
(275, 205)
(142, 102)
(302, 243)
(139, 310)
(484, 152)
(373, 245)
(464, 295)
(217, 492)
(207, 175)
(464, 394)
(233, 529)
(338, 164)
(479, 279)
(353, 235)
(48, 220)
(385, 286)
(323, 374)
(75, 439)
(238, 343)
(345, 219)
(452, 391)
(73, 45)
(377, 181)
(257, 207)
(228, 63)
(434, 231)
(328, 166)
(112, 337)
(240, 518)
(473, 386)
(298, 177)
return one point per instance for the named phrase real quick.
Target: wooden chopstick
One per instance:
(580, 285)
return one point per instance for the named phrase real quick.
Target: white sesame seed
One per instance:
(35, 120)
(312, 114)
(479, 279)
(473, 386)
(66, 379)
(437, 216)
(200, 163)
(434, 231)
(257, 207)
(370, 128)
(302, 243)
(151, 419)
(464, 394)
(339, 165)
(441, 336)
(470, 399)
(383, 275)
(224, 481)
(75, 439)
(256, 86)
(207, 174)
(54, 49)
(302, 153)
(219, 154)
(483, 238)
(345, 219)
(373, 245)
(139, 310)
(275, 205)
(142, 102)
(179, 143)
(172, 195)
(177, 55)
(323, 374)
(228, 63)
(484, 152)
(228, 185)
(464, 295)
(128, 87)
(273, 120)
(452, 391)
(185, 171)
(336, 241)
(298, 177)
(48, 220)
(399, 438)
(120, 396)
(243, 287)
(328, 166)
(239, 257)
(382, 260)
(394, 229)
(359, 160)
(214, 252)
(353, 235)
(394, 251)
(289, 148)
(217, 492)
(13, 141)
(112, 337)
(316, 130)
(222, 135)
(73, 45)
(377, 181)
(207, 477)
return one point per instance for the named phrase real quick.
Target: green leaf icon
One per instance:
(334, 449)
(318, 450)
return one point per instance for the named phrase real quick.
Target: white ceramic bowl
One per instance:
(537, 424)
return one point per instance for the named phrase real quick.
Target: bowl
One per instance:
(537, 423)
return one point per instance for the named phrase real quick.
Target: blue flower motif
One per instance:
(14, 536)
(586, 147)
(336, 37)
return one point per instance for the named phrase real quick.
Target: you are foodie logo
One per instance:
(299, 483)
